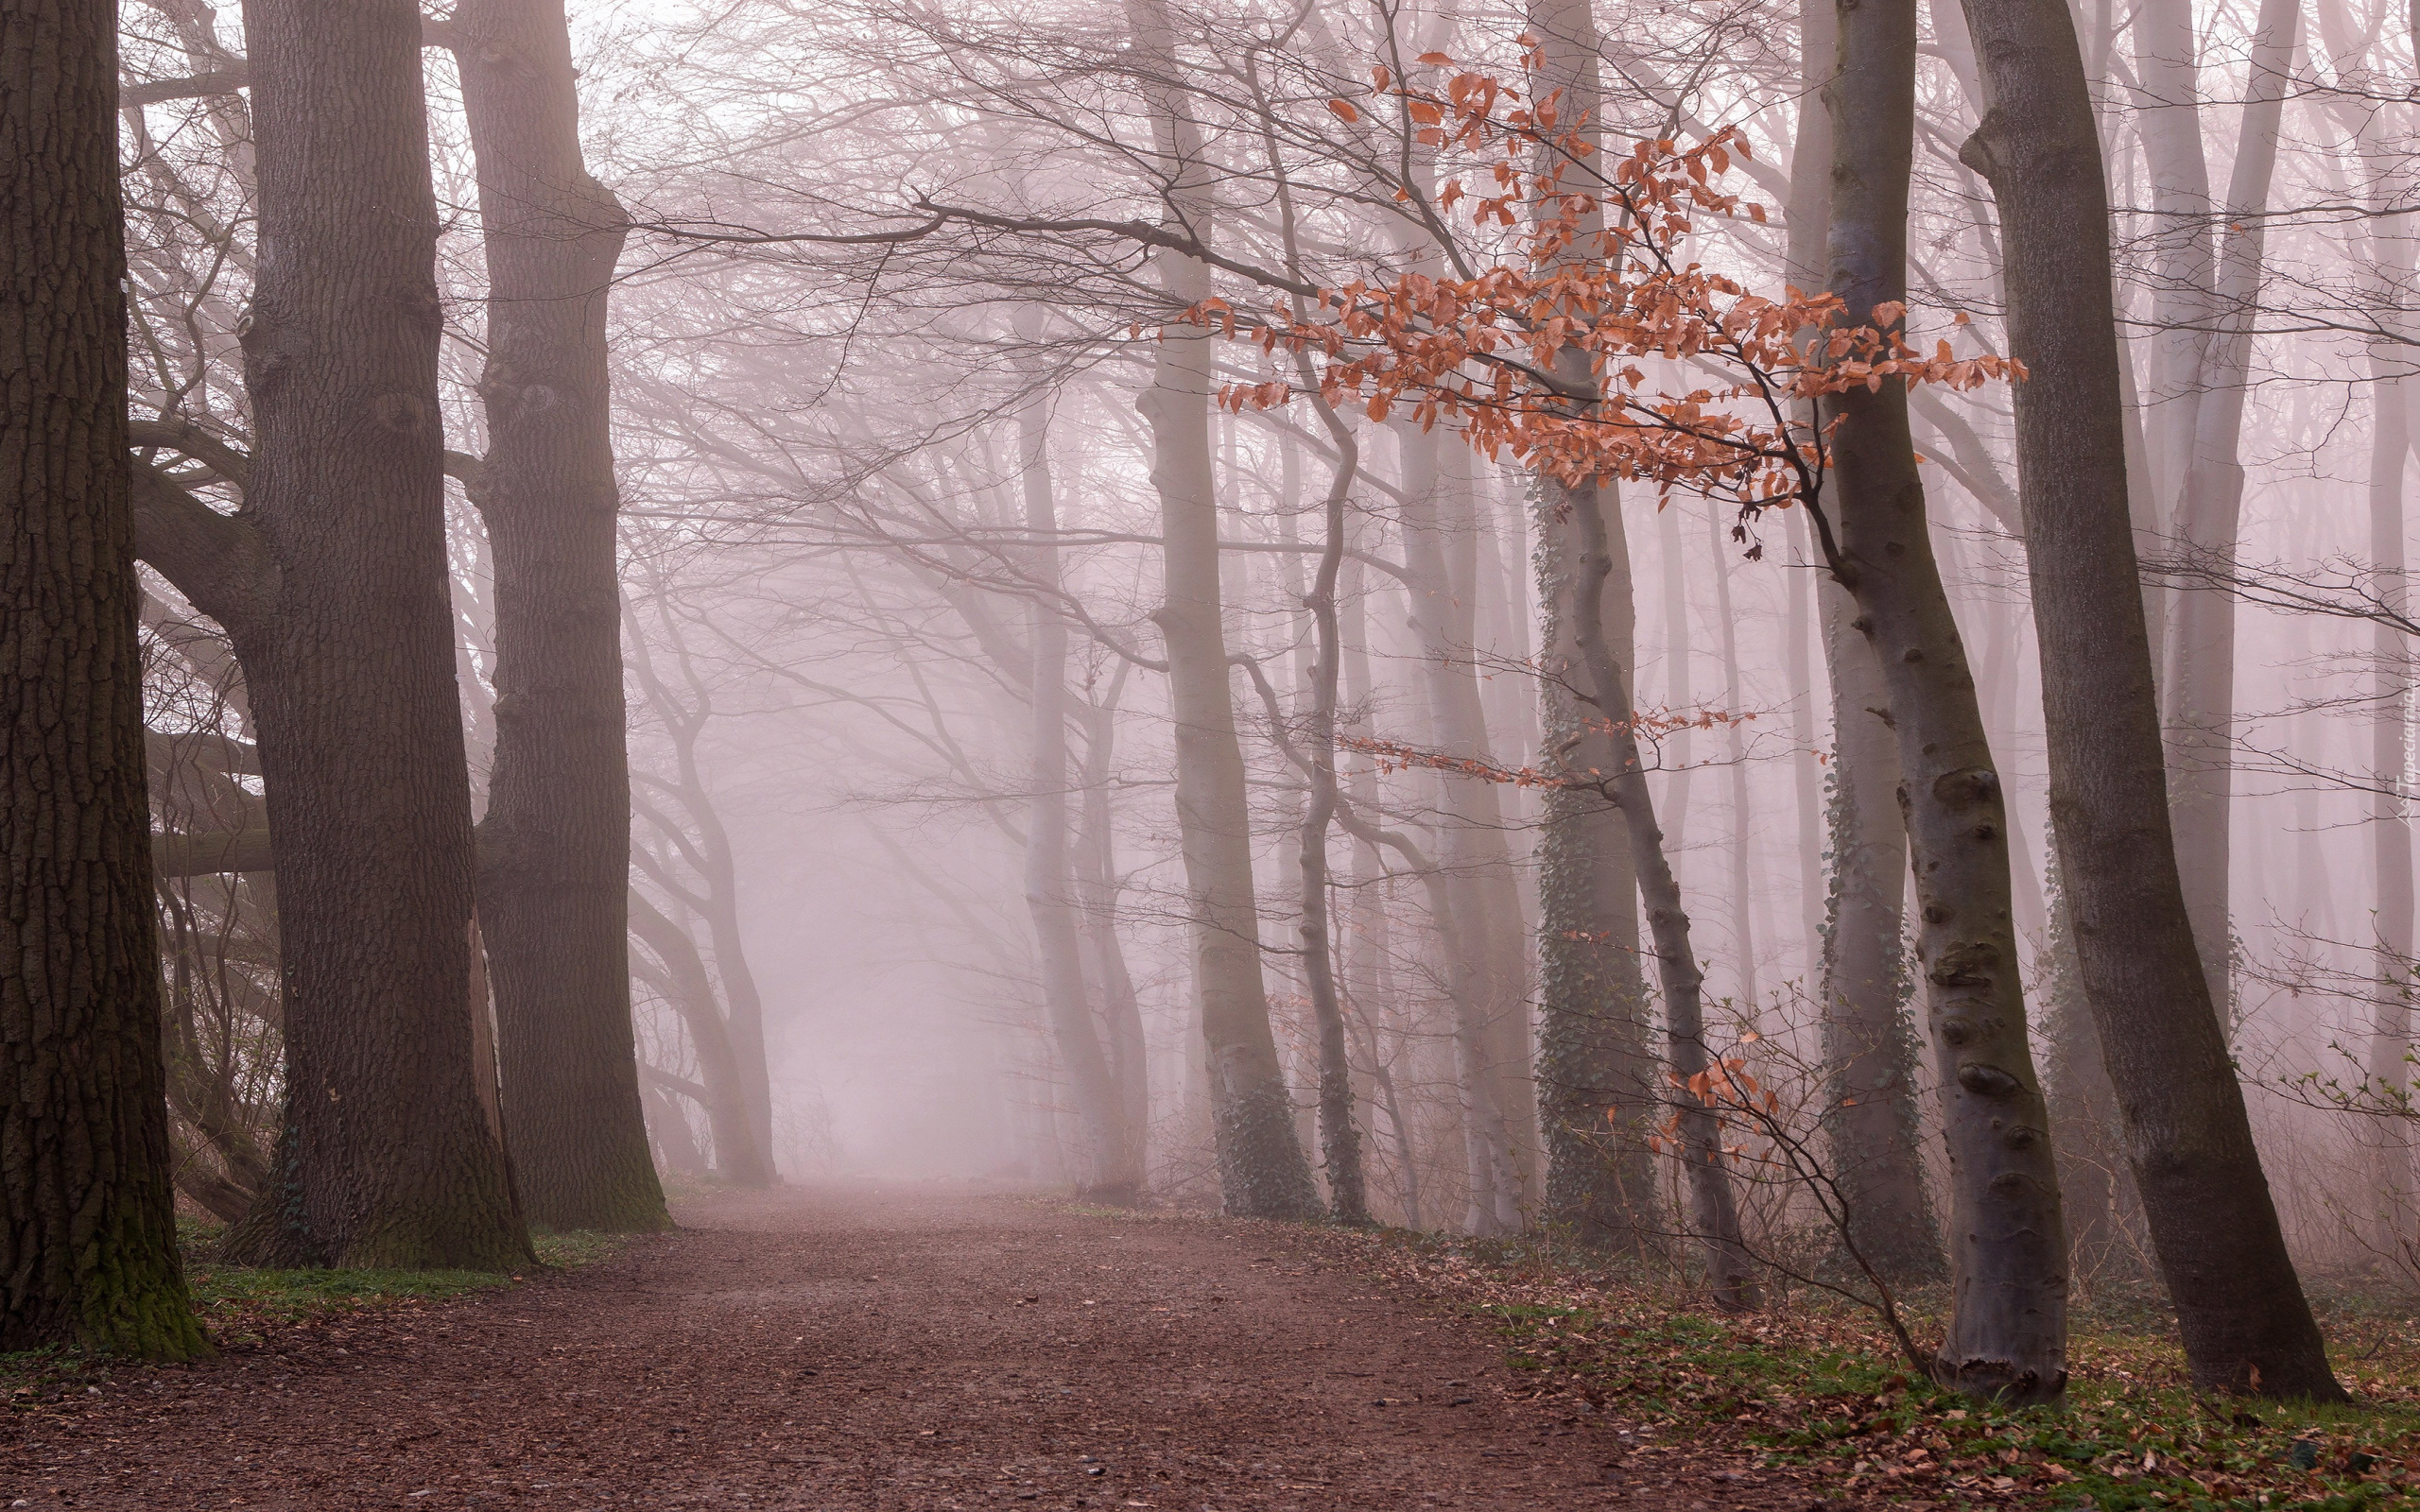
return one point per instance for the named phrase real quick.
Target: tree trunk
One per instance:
(1049, 879)
(2245, 1322)
(1097, 889)
(1597, 1091)
(1262, 1171)
(1868, 1048)
(1339, 1134)
(1597, 1094)
(2007, 1333)
(2183, 256)
(1468, 811)
(88, 1234)
(389, 1159)
(2389, 1070)
(555, 842)
(1714, 1214)
(1735, 697)
(2200, 686)
(738, 1157)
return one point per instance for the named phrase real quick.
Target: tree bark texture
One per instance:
(1598, 1098)
(1868, 1047)
(555, 841)
(2245, 1322)
(387, 1158)
(88, 1234)
(1597, 1093)
(2007, 1330)
(1262, 1170)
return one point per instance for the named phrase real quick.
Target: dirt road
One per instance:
(893, 1348)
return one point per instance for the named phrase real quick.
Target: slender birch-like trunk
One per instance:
(1097, 889)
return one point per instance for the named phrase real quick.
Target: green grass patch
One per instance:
(244, 1306)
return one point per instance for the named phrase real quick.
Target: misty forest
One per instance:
(1219, 754)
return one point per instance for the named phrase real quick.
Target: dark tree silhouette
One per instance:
(88, 1243)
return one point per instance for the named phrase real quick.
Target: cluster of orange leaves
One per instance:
(1499, 356)
(1728, 1087)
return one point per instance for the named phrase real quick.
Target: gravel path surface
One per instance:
(875, 1347)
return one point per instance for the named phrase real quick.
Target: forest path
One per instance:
(893, 1348)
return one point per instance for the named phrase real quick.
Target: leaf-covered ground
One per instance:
(1812, 1383)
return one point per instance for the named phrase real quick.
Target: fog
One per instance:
(897, 381)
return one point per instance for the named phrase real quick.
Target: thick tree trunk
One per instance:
(1868, 1049)
(1597, 1092)
(555, 842)
(1262, 1170)
(2007, 1333)
(389, 1159)
(1049, 879)
(1598, 1098)
(2245, 1322)
(2200, 686)
(88, 1234)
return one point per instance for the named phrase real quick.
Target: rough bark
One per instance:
(1262, 1170)
(2007, 1330)
(1597, 1095)
(1112, 1173)
(2245, 1323)
(555, 841)
(387, 1159)
(88, 1239)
